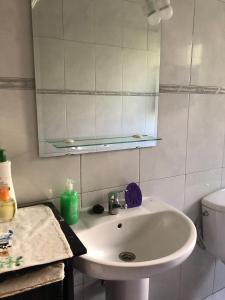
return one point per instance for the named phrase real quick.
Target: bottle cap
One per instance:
(69, 184)
(3, 155)
(4, 193)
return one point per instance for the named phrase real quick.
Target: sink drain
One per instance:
(127, 256)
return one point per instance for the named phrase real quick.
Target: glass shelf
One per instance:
(61, 144)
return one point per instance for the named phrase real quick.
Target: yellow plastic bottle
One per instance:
(7, 205)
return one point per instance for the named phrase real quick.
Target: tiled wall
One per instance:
(96, 64)
(186, 165)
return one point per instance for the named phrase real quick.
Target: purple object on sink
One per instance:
(133, 195)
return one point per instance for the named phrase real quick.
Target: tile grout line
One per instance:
(189, 103)
(81, 190)
(192, 42)
(221, 181)
(186, 151)
(64, 74)
(214, 277)
(91, 43)
(64, 69)
(180, 279)
(139, 167)
(122, 51)
(183, 174)
(109, 188)
(220, 290)
(95, 61)
(205, 170)
(64, 51)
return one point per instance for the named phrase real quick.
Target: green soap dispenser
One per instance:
(69, 204)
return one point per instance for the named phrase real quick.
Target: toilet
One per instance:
(213, 222)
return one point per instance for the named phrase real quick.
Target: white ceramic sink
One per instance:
(160, 236)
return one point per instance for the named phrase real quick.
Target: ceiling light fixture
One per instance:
(157, 10)
(165, 9)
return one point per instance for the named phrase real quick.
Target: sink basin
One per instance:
(136, 243)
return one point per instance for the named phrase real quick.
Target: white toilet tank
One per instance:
(213, 221)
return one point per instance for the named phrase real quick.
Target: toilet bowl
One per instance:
(213, 222)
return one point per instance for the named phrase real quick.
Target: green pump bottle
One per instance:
(69, 204)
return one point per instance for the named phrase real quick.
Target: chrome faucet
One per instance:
(114, 202)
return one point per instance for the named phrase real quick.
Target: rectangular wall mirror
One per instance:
(97, 75)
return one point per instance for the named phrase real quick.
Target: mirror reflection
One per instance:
(97, 75)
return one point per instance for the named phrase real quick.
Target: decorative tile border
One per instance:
(17, 83)
(163, 89)
(103, 93)
(29, 84)
(191, 89)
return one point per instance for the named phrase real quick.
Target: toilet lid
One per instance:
(215, 200)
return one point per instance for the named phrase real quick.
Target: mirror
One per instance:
(97, 75)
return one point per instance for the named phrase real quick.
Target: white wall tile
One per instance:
(108, 68)
(108, 115)
(219, 295)
(219, 281)
(78, 292)
(166, 285)
(18, 128)
(153, 70)
(224, 157)
(78, 277)
(16, 59)
(197, 275)
(211, 297)
(197, 186)
(78, 20)
(154, 38)
(154, 56)
(110, 169)
(205, 132)
(223, 178)
(49, 63)
(151, 123)
(79, 66)
(134, 115)
(47, 19)
(32, 176)
(80, 115)
(108, 22)
(88, 279)
(135, 71)
(169, 190)
(99, 197)
(134, 26)
(176, 44)
(51, 110)
(94, 291)
(168, 158)
(208, 61)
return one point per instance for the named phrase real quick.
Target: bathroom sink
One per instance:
(136, 243)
